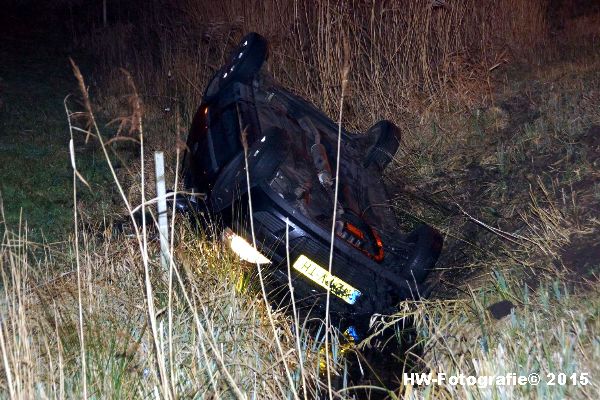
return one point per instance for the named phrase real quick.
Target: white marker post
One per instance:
(163, 222)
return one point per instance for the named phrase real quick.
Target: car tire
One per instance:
(244, 63)
(386, 142)
(428, 244)
(245, 60)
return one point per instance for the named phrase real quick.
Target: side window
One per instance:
(225, 135)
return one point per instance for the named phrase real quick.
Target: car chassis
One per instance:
(264, 160)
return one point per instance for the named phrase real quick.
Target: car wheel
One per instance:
(386, 137)
(427, 244)
(246, 60)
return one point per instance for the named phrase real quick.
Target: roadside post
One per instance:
(161, 194)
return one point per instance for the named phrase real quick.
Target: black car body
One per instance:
(290, 151)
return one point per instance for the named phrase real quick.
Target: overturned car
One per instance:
(256, 150)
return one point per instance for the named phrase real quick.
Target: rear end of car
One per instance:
(358, 285)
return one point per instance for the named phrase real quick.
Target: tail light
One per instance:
(369, 243)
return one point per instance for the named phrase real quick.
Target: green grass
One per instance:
(36, 183)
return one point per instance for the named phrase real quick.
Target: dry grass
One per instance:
(551, 331)
(40, 346)
(405, 57)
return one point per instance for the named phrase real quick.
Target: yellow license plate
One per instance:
(323, 278)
